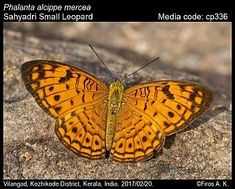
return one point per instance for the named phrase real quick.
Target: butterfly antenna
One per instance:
(140, 68)
(101, 60)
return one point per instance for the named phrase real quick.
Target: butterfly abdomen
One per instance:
(116, 90)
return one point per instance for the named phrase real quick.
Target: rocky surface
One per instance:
(197, 52)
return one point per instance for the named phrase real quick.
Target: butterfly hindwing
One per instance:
(136, 137)
(83, 130)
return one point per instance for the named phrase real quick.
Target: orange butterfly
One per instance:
(94, 120)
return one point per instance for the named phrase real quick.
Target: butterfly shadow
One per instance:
(205, 117)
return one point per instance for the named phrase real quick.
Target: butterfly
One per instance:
(95, 121)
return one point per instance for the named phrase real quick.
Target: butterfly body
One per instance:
(93, 120)
(116, 90)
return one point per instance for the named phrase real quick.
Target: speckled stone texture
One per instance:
(198, 52)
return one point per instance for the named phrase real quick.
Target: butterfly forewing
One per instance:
(171, 104)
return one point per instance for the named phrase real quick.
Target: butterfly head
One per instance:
(116, 88)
